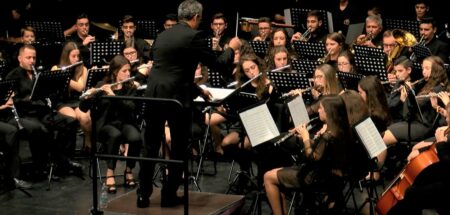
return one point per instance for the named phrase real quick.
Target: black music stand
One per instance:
(411, 26)
(305, 66)
(47, 30)
(49, 84)
(369, 136)
(6, 90)
(145, 29)
(420, 52)
(94, 76)
(365, 51)
(103, 52)
(349, 80)
(371, 66)
(216, 79)
(286, 82)
(297, 17)
(259, 47)
(311, 51)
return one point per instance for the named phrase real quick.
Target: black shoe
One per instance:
(142, 202)
(168, 202)
(21, 184)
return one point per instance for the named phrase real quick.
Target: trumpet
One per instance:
(323, 59)
(306, 35)
(412, 84)
(368, 37)
(96, 90)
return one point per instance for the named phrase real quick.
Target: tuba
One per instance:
(403, 39)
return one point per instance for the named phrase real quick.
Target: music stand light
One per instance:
(103, 52)
(311, 51)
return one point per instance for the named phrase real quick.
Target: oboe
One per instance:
(96, 90)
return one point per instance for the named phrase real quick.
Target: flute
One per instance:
(96, 90)
(286, 95)
(431, 94)
(290, 134)
(412, 84)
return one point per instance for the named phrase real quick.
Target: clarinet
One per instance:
(16, 117)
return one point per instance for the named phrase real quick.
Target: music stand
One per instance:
(305, 66)
(349, 80)
(2, 68)
(259, 47)
(49, 84)
(369, 136)
(365, 51)
(311, 51)
(420, 52)
(412, 26)
(145, 29)
(371, 66)
(47, 30)
(297, 17)
(94, 76)
(286, 82)
(103, 52)
(215, 79)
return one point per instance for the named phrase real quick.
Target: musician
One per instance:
(278, 57)
(28, 35)
(170, 20)
(129, 28)
(422, 7)
(334, 44)
(139, 69)
(279, 37)
(374, 33)
(79, 33)
(428, 28)
(345, 12)
(431, 187)
(32, 115)
(176, 52)
(402, 68)
(314, 27)
(116, 123)
(393, 50)
(9, 146)
(264, 29)
(325, 161)
(346, 62)
(219, 26)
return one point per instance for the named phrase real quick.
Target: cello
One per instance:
(405, 179)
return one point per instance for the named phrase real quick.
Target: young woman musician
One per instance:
(116, 123)
(277, 58)
(139, 69)
(325, 159)
(68, 104)
(431, 187)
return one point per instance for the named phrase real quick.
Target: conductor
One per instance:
(176, 51)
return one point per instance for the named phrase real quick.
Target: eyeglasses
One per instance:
(129, 53)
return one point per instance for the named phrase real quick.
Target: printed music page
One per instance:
(217, 93)
(298, 111)
(371, 138)
(259, 124)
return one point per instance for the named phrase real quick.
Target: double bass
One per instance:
(396, 190)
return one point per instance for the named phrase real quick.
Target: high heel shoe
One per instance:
(129, 182)
(111, 187)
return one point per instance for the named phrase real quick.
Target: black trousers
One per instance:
(180, 130)
(113, 136)
(9, 146)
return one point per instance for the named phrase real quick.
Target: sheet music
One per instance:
(259, 124)
(217, 93)
(370, 137)
(298, 111)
